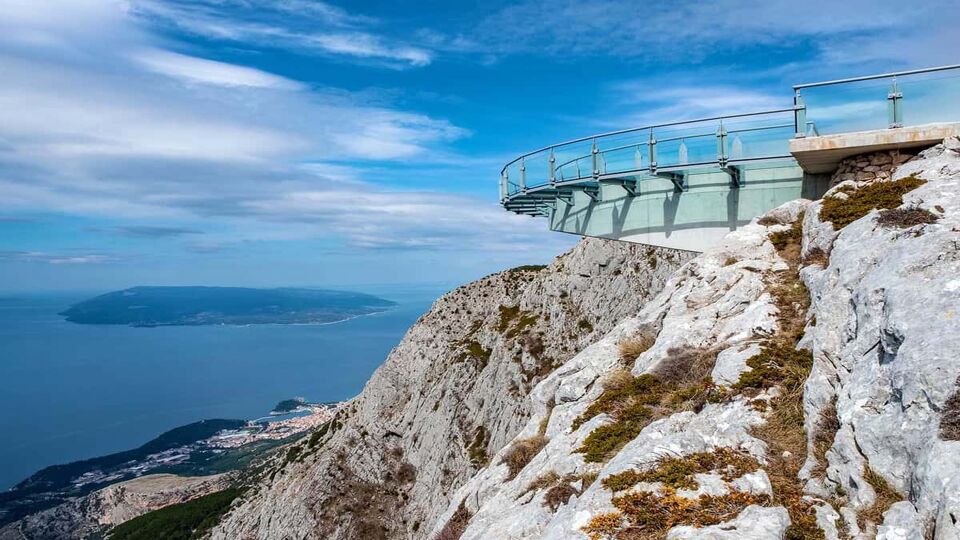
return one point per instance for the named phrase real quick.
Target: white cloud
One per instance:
(119, 135)
(330, 31)
(193, 69)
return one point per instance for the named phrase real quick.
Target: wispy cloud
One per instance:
(688, 31)
(56, 258)
(317, 28)
(148, 231)
(200, 70)
(653, 103)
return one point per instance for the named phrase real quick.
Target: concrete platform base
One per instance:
(822, 154)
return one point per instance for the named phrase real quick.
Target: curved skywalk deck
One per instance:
(686, 184)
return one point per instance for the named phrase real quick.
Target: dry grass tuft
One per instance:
(633, 347)
(823, 437)
(558, 495)
(457, 524)
(544, 481)
(646, 515)
(950, 420)
(886, 496)
(684, 365)
(905, 218)
(522, 452)
(818, 257)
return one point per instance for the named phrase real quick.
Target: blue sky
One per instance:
(297, 142)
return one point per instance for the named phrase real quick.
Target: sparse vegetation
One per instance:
(827, 428)
(646, 515)
(528, 268)
(780, 364)
(686, 365)
(474, 349)
(905, 218)
(950, 419)
(477, 449)
(859, 202)
(457, 523)
(513, 321)
(886, 496)
(558, 495)
(634, 402)
(585, 326)
(817, 256)
(522, 452)
(678, 472)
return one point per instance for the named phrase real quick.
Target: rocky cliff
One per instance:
(800, 380)
(451, 395)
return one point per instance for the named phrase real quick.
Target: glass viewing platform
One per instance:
(685, 184)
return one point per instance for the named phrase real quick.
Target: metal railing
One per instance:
(651, 150)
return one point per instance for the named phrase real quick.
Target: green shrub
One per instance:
(184, 521)
(859, 202)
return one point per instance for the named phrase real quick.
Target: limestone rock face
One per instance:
(886, 348)
(884, 331)
(716, 301)
(451, 394)
(89, 516)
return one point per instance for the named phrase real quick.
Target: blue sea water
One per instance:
(70, 391)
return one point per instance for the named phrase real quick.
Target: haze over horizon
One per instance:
(222, 142)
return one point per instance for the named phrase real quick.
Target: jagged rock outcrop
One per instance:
(886, 348)
(451, 394)
(89, 516)
(837, 420)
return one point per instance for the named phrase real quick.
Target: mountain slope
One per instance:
(451, 394)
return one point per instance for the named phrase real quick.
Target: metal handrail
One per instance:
(646, 128)
(875, 77)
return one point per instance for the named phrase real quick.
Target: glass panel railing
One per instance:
(852, 107)
(882, 101)
(929, 99)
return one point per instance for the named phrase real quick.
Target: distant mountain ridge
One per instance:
(166, 306)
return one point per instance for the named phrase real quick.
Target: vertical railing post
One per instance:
(722, 145)
(594, 159)
(523, 174)
(652, 145)
(551, 168)
(503, 185)
(799, 116)
(894, 107)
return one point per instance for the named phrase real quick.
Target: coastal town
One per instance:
(274, 428)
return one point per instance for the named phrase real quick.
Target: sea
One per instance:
(70, 391)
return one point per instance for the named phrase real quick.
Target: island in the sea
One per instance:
(167, 306)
